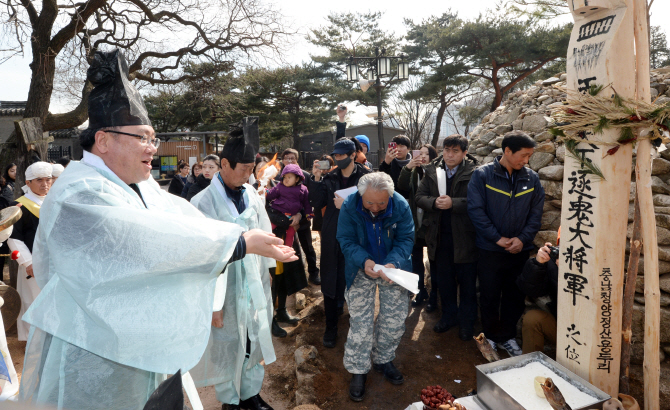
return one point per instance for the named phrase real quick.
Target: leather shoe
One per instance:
(230, 407)
(442, 327)
(420, 298)
(330, 338)
(284, 317)
(277, 330)
(390, 372)
(465, 334)
(314, 278)
(255, 403)
(357, 387)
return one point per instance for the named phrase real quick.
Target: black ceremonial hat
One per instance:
(238, 148)
(114, 100)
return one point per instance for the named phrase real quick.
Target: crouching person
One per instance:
(375, 226)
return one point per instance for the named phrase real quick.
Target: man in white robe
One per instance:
(119, 308)
(240, 338)
(38, 182)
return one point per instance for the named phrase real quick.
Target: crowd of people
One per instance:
(110, 309)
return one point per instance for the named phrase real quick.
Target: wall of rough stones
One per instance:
(529, 110)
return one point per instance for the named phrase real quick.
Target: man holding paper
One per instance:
(330, 191)
(375, 227)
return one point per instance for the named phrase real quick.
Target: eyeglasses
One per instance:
(144, 140)
(290, 159)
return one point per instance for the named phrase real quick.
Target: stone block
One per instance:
(544, 136)
(300, 301)
(552, 173)
(502, 129)
(663, 221)
(497, 142)
(543, 237)
(560, 153)
(486, 138)
(553, 189)
(305, 353)
(658, 186)
(551, 220)
(483, 151)
(662, 234)
(638, 324)
(535, 123)
(543, 97)
(550, 81)
(661, 200)
(546, 147)
(517, 124)
(540, 160)
(660, 166)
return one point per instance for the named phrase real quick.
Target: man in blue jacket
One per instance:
(505, 201)
(375, 227)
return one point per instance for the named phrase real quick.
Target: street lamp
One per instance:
(377, 67)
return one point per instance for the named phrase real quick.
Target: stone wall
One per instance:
(529, 110)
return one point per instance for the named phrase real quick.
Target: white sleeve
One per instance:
(25, 257)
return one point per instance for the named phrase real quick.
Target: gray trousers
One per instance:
(369, 338)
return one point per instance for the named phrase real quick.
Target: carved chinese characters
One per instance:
(594, 211)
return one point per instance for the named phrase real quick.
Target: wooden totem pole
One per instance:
(595, 210)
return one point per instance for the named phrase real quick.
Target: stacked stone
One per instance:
(529, 111)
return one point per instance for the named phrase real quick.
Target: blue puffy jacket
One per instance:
(499, 208)
(396, 234)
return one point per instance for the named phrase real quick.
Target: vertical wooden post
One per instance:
(594, 217)
(652, 296)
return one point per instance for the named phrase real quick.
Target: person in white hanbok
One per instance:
(38, 182)
(240, 337)
(118, 309)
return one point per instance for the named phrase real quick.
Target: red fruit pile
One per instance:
(434, 396)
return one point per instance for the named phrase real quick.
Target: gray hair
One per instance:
(379, 181)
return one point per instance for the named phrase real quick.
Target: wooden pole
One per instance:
(652, 296)
(593, 220)
(629, 299)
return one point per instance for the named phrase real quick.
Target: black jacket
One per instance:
(26, 227)
(394, 169)
(322, 194)
(200, 183)
(463, 232)
(499, 208)
(176, 185)
(409, 181)
(540, 279)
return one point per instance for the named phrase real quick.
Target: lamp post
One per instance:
(378, 67)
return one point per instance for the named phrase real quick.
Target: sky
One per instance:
(309, 13)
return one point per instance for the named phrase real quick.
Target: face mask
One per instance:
(343, 163)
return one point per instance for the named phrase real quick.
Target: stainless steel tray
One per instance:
(493, 397)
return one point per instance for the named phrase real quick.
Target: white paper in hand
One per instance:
(441, 181)
(344, 193)
(407, 280)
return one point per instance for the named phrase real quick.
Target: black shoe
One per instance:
(255, 403)
(465, 334)
(442, 327)
(420, 298)
(230, 407)
(330, 338)
(390, 372)
(277, 331)
(357, 387)
(284, 317)
(314, 278)
(430, 307)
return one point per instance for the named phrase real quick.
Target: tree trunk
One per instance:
(438, 119)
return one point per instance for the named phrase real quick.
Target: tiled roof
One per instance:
(12, 108)
(67, 133)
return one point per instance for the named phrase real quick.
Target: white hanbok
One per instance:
(120, 306)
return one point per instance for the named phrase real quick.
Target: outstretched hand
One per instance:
(266, 244)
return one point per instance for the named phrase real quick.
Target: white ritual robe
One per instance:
(121, 304)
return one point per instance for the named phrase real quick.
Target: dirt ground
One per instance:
(424, 357)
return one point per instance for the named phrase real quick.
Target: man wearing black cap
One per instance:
(232, 361)
(117, 312)
(322, 193)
